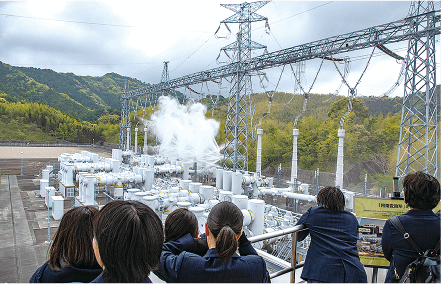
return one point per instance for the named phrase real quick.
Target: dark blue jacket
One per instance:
(69, 274)
(100, 279)
(178, 264)
(332, 254)
(424, 228)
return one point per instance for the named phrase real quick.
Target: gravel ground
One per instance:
(10, 152)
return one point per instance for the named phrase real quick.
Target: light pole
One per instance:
(21, 163)
(48, 217)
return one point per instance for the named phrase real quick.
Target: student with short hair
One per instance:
(221, 263)
(332, 254)
(422, 194)
(127, 242)
(71, 256)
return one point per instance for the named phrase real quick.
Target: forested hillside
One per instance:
(83, 97)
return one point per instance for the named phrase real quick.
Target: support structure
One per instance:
(240, 104)
(417, 149)
(295, 135)
(259, 152)
(125, 116)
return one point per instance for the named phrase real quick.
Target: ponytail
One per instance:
(225, 223)
(226, 243)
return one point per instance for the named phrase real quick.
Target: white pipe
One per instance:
(259, 152)
(304, 197)
(184, 184)
(149, 177)
(339, 170)
(295, 133)
(136, 140)
(186, 170)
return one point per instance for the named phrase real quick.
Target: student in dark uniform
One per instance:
(421, 193)
(220, 263)
(71, 257)
(127, 242)
(332, 254)
(181, 222)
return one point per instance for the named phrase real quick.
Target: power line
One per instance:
(66, 21)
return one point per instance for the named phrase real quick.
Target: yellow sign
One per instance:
(379, 208)
(372, 260)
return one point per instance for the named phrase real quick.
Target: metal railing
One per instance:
(294, 230)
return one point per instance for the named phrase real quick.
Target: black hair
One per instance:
(421, 191)
(129, 237)
(225, 223)
(72, 244)
(331, 198)
(179, 223)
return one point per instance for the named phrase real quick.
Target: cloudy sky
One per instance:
(133, 38)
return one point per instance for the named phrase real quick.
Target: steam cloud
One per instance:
(184, 132)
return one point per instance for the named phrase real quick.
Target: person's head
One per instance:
(421, 191)
(179, 223)
(72, 244)
(128, 241)
(225, 224)
(331, 198)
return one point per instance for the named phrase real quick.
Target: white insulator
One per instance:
(225, 196)
(184, 184)
(339, 170)
(183, 193)
(259, 152)
(151, 161)
(45, 174)
(43, 184)
(226, 180)
(164, 193)
(236, 185)
(295, 133)
(193, 187)
(174, 189)
(212, 202)
(128, 139)
(131, 192)
(184, 204)
(247, 217)
(152, 202)
(207, 192)
(90, 190)
(257, 209)
(186, 170)
(148, 179)
(270, 181)
(138, 196)
(136, 140)
(199, 213)
(196, 198)
(298, 196)
(240, 201)
(219, 178)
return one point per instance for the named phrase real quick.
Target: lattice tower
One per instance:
(125, 117)
(417, 149)
(241, 111)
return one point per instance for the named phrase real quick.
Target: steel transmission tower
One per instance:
(125, 117)
(417, 148)
(241, 104)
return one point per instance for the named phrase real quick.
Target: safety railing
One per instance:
(293, 231)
